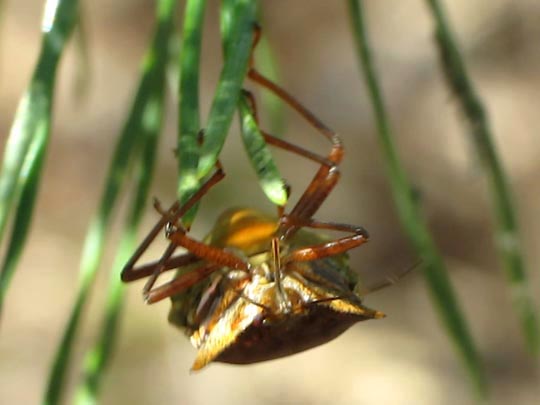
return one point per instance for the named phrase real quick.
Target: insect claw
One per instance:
(157, 206)
(171, 228)
(146, 298)
(287, 188)
(362, 231)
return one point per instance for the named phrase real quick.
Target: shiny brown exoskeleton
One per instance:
(257, 287)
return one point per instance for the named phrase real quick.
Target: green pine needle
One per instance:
(189, 109)
(153, 77)
(98, 357)
(411, 218)
(239, 37)
(507, 237)
(30, 134)
(260, 156)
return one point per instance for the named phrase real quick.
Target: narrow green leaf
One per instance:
(260, 157)
(189, 110)
(266, 63)
(507, 237)
(32, 127)
(153, 76)
(230, 83)
(31, 120)
(227, 23)
(411, 218)
(98, 357)
(29, 179)
(83, 73)
(268, 66)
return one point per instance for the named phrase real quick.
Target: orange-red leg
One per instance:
(328, 174)
(172, 215)
(209, 253)
(179, 284)
(158, 270)
(174, 262)
(320, 186)
(325, 179)
(335, 247)
(281, 143)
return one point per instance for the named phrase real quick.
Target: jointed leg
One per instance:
(316, 193)
(130, 272)
(328, 174)
(336, 152)
(281, 143)
(215, 257)
(337, 146)
(321, 185)
(319, 188)
(159, 268)
(174, 262)
(209, 253)
(207, 299)
(358, 237)
(179, 284)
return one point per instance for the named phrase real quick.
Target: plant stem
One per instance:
(411, 218)
(507, 237)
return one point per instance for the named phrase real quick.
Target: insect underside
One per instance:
(243, 317)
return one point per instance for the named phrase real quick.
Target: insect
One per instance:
(260, 287)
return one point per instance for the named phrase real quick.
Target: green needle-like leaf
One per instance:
(83, 73)
(268, 66)
(507, 228)
(259, 154)
(189, 110)
(97, 359)
(32, 127)
(411, 218)
(266, 63)
(230, 82)
(31, 120)
(226, 23)
(29, 179)
(152, 77)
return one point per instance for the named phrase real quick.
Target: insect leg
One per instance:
(321, 185)
(179, 284)
(281, 143)
(130, 272)
(358, 237)
(337, 146)
(336, 152)
(328, 174)
(209, 253)
(174, 262)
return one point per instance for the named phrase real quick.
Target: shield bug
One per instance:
(260, 287)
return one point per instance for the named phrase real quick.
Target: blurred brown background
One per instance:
(403, 359)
